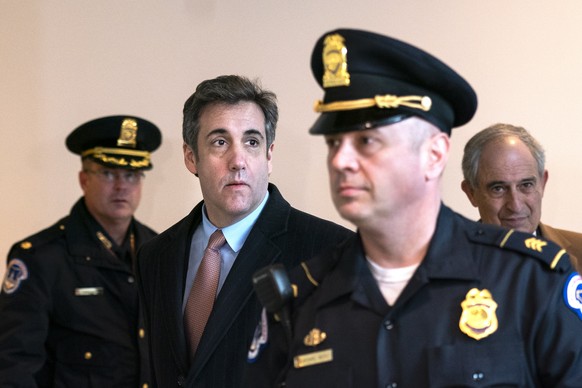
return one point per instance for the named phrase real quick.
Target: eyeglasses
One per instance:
(108, 176)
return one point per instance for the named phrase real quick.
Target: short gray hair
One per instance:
(474, 148)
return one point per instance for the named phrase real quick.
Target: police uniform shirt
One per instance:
(473, 314)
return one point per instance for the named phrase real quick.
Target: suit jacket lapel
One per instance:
(259, 250)
(551, 234)
(172, 277)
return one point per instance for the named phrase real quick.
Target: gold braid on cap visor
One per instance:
(100, 153)
(387, 101)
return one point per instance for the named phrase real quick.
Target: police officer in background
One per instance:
(421, 296)
(69, 301)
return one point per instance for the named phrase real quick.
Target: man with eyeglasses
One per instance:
(69, 302)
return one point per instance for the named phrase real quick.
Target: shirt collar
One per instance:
(237, 233)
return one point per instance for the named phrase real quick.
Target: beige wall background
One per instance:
(65, 62)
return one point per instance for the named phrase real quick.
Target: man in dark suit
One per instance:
(228, 130)
(505, 177)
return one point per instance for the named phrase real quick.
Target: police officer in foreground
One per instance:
(421, 296)
(69, 312)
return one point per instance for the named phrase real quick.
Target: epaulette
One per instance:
(308, 275)
(41, 238)
(548, 252)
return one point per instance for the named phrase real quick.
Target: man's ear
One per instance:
(190, 159)
(270, 157)
(438, 155)
(83, 180)
(469, 191)
(544, 180)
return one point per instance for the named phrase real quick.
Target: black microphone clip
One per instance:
(275, 292)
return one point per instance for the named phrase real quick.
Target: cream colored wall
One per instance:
(64, 62)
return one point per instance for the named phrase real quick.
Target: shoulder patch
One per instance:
(260, 338)
(549, 252)
(573, 293)
(16, 272)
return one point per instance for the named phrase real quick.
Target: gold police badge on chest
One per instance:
(478, 319)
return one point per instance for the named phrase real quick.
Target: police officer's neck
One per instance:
(401, 241)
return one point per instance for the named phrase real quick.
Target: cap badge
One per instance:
(314, 338)
(335, 62)
(128, 133)
(478, 319)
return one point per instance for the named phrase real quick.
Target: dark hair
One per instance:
(231, 90)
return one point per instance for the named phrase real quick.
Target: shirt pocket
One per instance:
(480, 364)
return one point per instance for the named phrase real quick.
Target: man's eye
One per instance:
(331, 143)
(253, 142)
(108, 174)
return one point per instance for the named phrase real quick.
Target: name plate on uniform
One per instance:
(314, 358)
(89, 291)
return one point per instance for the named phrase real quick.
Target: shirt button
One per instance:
(130, 279)
(141, 333)
(389, 325)
(88, 355)
(391, 385)
(145, 385)
(478, 376)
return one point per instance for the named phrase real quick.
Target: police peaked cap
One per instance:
(372, 80)
(116, 141)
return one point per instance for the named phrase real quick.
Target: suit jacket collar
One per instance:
(570, 241)
(554, 235)
(258, 251)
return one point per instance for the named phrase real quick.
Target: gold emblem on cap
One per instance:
(335, 62)
(314, 338)
(101, 153)
(387, 101)
(478, 319)
(26, 245)
(128, 133)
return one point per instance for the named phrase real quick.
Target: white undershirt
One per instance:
(391, 281)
